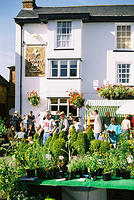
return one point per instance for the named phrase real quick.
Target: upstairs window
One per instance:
(64, 34)
(123, 37)
(64, 68)
(123, 73)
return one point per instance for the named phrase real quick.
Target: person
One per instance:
(16, 119)
(30, 119)
(106, 123)
(126, 124)
(38, 129)
(11, 133)
(64, 125)
(97, 125)
(70, 119)
(30, 131)
(49, 126)
(22, 133)
(78, 127)
(114, 131)
(57, 118)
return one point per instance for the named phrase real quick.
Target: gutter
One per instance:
(21, 25)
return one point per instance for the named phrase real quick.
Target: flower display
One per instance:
(76, 99)
(110, 91)
(33, 98)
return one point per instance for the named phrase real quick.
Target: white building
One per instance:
(78, 48)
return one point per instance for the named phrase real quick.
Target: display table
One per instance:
(115, 183)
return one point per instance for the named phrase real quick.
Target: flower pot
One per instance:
(71, 175)
(107, 177)
(30, 173)
(41, 173)
(118, 173)
(60, 174)
(125, 174)
(99, 172)
(92, 175)
(50, 174)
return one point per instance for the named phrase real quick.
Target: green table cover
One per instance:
(115, 183)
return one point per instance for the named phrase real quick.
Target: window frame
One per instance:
(123, 24)
(71, 41)
(125, 63)
(68, 69)
(61, 104)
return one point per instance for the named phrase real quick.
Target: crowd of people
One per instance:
(26, 126)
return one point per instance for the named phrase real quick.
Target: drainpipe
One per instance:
(21, 25)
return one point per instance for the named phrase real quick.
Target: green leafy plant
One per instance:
(115, 91)
(81, 144)
(95, 145)
(33, 98)
(76, 99)
(104, 147)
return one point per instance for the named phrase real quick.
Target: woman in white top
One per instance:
(126, 124)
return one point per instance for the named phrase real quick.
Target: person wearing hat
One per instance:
(16, 120)
(63, 125)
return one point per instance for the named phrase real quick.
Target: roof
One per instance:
(3, 81)
(89, 12)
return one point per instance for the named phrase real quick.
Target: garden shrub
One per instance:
(74, 136)
(46, 146)
(104, 147)
(63, 135)
(3, 129)
(59, 148)
(53, 138)
(95, 145)
(90, 134)
(81, 144)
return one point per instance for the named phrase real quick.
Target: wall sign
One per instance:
(35, 61)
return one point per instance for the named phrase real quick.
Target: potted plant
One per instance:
(33, 98)
(31, 162)
(72, 167)
(107, 167)
(76, 99)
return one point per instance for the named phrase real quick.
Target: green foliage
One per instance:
(72, 165)
(115, 91)
(95, 145)
(46, 146)
(90, 134)
(93, 162)
(59, 148)
(81, 144)
(73, 136)
(53, 138)
(107, 163)
(9, 173)
(63, 135)
(104, 147)
(3, 129)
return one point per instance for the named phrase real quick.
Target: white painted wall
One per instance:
(92, 42)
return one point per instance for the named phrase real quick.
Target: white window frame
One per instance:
(68, 68)
(60, 104)
(66, 47)
(121, 63)
(123, 24)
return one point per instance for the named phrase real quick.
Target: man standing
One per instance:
(16, 120)
(97, 125)
(63, 126)
(49, 126)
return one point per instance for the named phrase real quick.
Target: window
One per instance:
(124, 37)
(64, 69)
(62, 105)
(64, 34)
(123, 73)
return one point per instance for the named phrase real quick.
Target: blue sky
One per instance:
(10, 8)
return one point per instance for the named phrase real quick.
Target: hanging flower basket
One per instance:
(114, 92)
(76, 99)
(33, 98)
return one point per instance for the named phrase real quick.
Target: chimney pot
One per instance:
(28, 4)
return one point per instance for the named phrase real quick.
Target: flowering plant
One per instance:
(33, 98)
(76, 99)
(115, 91)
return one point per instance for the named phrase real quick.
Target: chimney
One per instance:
(28, 4)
